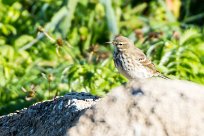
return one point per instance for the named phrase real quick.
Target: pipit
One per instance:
(131, 61)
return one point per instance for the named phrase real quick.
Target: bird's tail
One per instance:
(164, 77)
(160, 75)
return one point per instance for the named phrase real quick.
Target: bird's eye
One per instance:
(120, 44)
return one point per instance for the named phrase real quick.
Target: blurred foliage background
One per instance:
(34, 67)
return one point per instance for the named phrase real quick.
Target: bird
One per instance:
(131, 62)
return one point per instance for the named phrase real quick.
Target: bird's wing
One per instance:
(141, 57)
(148, 64)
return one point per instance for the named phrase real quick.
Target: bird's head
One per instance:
(121, 43)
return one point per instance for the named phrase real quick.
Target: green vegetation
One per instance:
(35, 68)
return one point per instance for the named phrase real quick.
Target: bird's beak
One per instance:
(109, 42)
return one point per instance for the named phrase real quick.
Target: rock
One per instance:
(49, 118)
(152, 107)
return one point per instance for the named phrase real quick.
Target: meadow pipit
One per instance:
(131, 61)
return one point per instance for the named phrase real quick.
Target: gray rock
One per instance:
(153, 107)
(49, 118)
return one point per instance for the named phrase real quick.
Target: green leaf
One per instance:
(189, 35)
(22, 40)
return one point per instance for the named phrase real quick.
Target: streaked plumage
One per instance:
(131, 61)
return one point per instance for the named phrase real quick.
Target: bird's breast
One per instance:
(129, 67)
